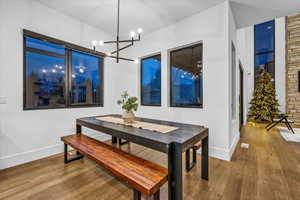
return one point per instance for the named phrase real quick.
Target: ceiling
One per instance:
(155, 14)
(249, 12)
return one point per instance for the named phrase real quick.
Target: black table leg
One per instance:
(78, 129)
(175, 172)
(204, 157)
(114, 140)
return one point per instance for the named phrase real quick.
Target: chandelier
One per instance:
(134, 37)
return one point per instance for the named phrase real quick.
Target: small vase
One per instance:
(128, 117)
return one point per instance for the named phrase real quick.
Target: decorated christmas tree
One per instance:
(264, 104)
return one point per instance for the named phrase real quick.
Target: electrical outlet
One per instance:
(245, 145)
(2, 100)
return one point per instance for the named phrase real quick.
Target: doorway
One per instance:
(241, 99)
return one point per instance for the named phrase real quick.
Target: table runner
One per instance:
(137, 124)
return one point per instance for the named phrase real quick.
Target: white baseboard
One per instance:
(222, 153)
(234, 144)
(25, 157)
(35, 154)
(28, 156)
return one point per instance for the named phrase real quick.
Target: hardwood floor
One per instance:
(269, 169)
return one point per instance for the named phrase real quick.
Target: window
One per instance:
(85, 79)
(57, 76)
(151, 81)
(264, 41)
(186, 77)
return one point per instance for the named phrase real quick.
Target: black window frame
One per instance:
(266, 52)
(170, 75)
(141, 79)
(69, 47)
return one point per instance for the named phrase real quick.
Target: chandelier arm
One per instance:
(118, 31)
(120, 49)
(121, 58)
(118, 41)
(122, 41)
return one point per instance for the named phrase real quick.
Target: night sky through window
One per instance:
(264, 42)
(151, 81)
(47, 73)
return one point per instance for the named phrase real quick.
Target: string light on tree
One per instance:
(264, 104)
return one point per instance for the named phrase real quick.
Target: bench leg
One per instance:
(188, 164)
(121, 143)
(137, 195)
(156, 196)
(66, 160)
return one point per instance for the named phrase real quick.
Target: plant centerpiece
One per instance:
(129, 104)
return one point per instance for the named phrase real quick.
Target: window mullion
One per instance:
(68, 78)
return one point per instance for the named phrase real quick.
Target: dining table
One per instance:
(173, 143)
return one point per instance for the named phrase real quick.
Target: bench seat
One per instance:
(144, 176)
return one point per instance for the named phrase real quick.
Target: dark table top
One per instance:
(186, 135)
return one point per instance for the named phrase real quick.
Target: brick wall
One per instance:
(292, 67)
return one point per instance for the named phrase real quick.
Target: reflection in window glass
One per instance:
(45, 81)
(187, 77)
(45, 46)
(56, 76)
(85, 79)
(264, 39)
(151, 81)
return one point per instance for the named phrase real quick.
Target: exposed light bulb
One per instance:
(108, 54)
(73, 76)
(44, 71)
(94, 43)
(81, 70)
(132, 34)
(63, 72)
(136, 61)
(101, 43)
(54, 70)
(140, 30)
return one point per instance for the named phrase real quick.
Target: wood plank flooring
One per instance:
(269, 169)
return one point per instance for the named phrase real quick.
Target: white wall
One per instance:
(211, 27)
(29, 135)
(246, 54)
(280, 62)
(234, 133)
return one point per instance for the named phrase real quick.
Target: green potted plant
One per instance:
(129, 104)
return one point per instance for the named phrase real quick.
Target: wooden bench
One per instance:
(190, 165)
(144, 176)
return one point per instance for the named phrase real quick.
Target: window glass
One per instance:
(45, 81)
(264, 39)
(151, 80)
(187, 77)
(86, 83)
(45, 46)
(59, 76)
